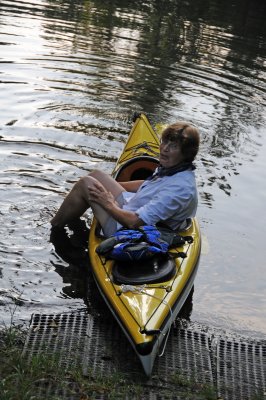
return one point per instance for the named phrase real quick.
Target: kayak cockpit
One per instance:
(140, 167)
(155, 270)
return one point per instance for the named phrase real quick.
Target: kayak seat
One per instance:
(156, 270)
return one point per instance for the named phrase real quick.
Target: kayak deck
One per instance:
(143, 307)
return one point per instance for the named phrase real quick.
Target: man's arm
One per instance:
(126, 218)
(131, 186)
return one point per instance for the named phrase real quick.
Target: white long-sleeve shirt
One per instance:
(171, 199)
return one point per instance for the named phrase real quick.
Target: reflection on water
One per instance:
(71, 75)
(72, 248)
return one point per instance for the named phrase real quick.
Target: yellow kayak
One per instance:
(145, 301)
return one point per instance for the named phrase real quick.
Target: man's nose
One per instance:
(167, 146)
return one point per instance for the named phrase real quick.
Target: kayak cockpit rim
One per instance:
(139, 167)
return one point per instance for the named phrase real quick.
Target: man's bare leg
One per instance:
(77, 201)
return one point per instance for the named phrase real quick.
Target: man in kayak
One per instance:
(169, 196)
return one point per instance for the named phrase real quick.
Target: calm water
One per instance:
(71, 74)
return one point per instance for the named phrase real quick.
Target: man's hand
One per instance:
(101, 196)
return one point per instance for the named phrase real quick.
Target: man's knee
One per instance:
(97, 174)
(85, 182)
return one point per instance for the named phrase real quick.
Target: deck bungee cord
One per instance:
(144, 145)
(142, 290)
(134, 149)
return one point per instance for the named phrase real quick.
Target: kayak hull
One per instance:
(145, 311)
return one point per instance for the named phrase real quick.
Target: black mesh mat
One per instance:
(241, 370)
(235, 368)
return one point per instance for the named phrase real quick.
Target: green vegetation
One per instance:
(203, 390)
(25, 376)
(41, 376)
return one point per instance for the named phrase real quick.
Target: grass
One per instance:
(204, 391)
(42, 377)
(20, 379)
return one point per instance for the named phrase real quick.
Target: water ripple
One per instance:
(72, 73)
